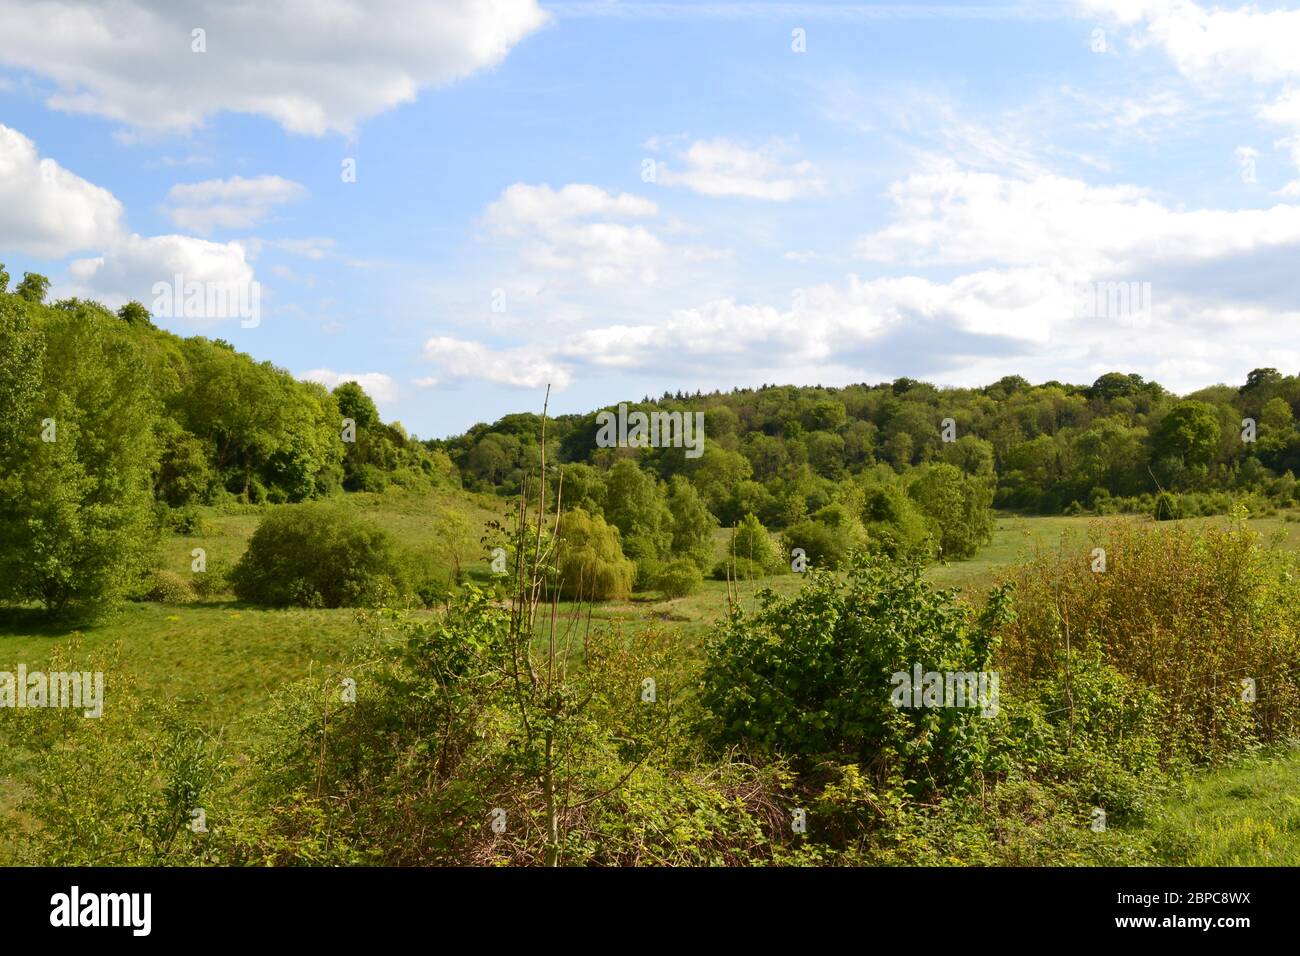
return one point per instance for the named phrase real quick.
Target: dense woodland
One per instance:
(126, 429)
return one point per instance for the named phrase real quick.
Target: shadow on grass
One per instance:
(37, 622)
(32, 621)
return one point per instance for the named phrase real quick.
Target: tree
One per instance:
(716, 472)
(33, 287)
(133, 313)
(828, 537)
(635, 505)
(958, 504)
(751, 542)
(22, 351)
(971, 454)
(493, 456)
(76, 505)
(895, 526)
(590, 563)
(692, 523)
(4, 279)
(1260, 377)
(1189, 433)
(583, 487)
(185, 475)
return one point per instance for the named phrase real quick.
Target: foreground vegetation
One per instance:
(328, 642)
(286, 772)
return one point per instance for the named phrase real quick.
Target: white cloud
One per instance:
(311, 66)
(950, 215)
(522, 367)
(1219, 48)
(969, 330)
(719, 167)
(235, 203)
(131, 266)
(377, 385)
(46, 211)
(569, 230)
(1211, 47)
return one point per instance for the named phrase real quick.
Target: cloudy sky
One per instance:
(458, 202)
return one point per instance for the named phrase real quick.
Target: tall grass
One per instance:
(1189, 614)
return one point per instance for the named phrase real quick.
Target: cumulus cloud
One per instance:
(311, 67)
(131, 266)
(720, 167)
(377, 385)
(968, 330)
(520, 367)
(572, 230)
(235, 203)
(951, 215)
(1212, 46)
(47, 211)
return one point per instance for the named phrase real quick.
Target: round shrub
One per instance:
(591, 562)
(819, 543)
(215, 580)
(1168, 507)
(318, 555)
(679, 578)
(167, 587)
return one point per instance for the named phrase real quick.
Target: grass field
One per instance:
(225, 660)
(1247, 815)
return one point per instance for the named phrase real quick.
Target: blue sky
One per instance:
(625, 198)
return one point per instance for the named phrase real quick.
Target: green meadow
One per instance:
(224, 660)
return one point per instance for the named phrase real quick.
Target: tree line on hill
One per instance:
(907, 468)
(113, 430)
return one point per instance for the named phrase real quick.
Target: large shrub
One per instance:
(751, 545)
(811, 676)
(590, 561)
(828, 537)
(1189, 613)
(318, 555)
(958, 504)
(679, 578)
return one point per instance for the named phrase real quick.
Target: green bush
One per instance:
(213, 581)
(679, 578)
(166, 587)
(1168, 507)
(959, 505)
(828, 538)
(591, 565)
(751, 543)
(812, 676)
(894, 525)
(318, 555)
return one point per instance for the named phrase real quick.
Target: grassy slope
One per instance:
(228, 659)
